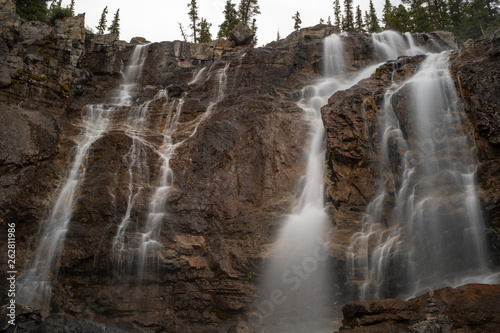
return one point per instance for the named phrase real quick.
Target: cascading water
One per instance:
(389, 45)
(137, 161)
(145, 245)
(34, 286)
(434, 234)
(296, 278)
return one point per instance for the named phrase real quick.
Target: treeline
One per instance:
(465, 18)
(200, 29)
(37, 10)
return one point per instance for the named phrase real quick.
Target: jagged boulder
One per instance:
(242, 34)
(469, 308)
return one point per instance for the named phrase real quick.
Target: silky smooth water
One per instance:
(34, 286)
(433, 235)
(297, 277)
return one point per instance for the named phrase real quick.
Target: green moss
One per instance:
(378, 74)
(64, 87)
(12, 81)
(34, 77)
(97, 158)
(222, 315)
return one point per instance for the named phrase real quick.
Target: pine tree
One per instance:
(32, 10)
(204, 30)
(367, 21)
(114, 28)
(336, 13)
(72, 7)
(388, 16)
(298, 21)
(247, 10)
(374, 26)
(359, 20)
(183, 33)
(348, 21)
(254, 29)
(57, 12)
(193, 17)
(278, 37)
(102, 21)
(230, 20)
(329, 22)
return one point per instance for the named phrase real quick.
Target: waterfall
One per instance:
(389, 45)
(296, 278)
(34, 286)
(145, 245)
(137, 161)
(434, 234)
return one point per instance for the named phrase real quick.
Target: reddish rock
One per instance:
(469, 308)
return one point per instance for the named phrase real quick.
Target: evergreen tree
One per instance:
(57, 12)
(401, 19)
(114, 28)
(32, 10)
(367, 21)
(359, 20)
(336, 13)
(204, 30)
(329, 22)
(254, 29)
(321, 21)
(388, 16)
(348, 21)
(230, 20)
(72, 7)
(482, 18)
(247, 10)
(102, 21)
(193, 17)
(298, 21)
(374, 26)
(278, 37)
(183, 33)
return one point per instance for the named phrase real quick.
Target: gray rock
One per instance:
(447, 37)
(26, 136)
(241, 34)
(441, 324)
(7, 6)
(432, 309)
(241, 327)
(139, 40)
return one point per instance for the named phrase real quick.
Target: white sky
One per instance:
(157, 20)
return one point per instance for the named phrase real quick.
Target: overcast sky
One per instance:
(157, 20)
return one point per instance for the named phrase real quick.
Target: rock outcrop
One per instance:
(352, 119)
(470, 308)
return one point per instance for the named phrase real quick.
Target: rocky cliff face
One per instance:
(236, 169)
(354, 141)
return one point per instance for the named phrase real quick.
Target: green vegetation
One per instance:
(101, 27)
(297, 20)
(230, 20)
(193, 17)
(204, 30)
(32, 10)
(114, 28)
(36, 10)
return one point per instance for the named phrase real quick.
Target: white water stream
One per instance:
(34, 286)
(297, 277)
(435, 237)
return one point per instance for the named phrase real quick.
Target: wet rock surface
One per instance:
(469, 308)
